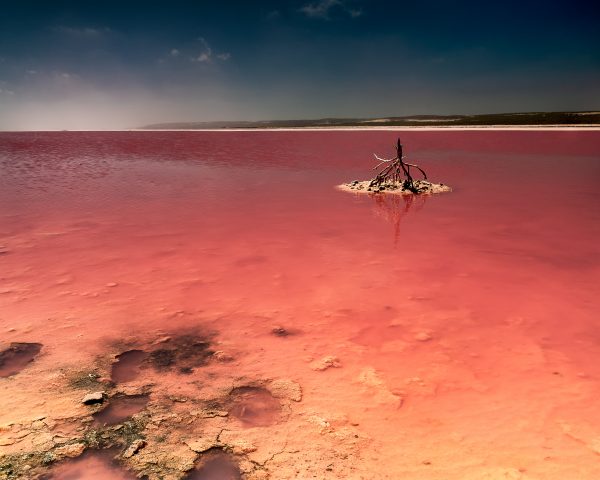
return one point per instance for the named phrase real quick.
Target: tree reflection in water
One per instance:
(394, 208)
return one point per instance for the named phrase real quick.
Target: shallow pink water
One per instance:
(90, 466)
(104, 234)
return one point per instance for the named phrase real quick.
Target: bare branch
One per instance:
(384, 159)
(396, 171)
(418, 168)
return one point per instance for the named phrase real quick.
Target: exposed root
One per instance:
(396, 171)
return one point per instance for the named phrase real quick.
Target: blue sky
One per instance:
(122, 64)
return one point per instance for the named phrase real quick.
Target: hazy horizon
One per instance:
(217, 121)
(66, 65)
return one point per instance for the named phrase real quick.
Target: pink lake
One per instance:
(460, 332)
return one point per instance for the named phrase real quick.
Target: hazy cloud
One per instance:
(82, 32)
(207, 55)
(5, 90)
(204, 57)
(322, 9)
(198, 51)
(273, 15)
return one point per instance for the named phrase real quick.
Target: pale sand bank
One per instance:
(395, 188)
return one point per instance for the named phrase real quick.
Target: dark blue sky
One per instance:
(106, 64)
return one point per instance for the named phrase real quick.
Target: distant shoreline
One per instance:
(570, 128)
(370, 128)
(490, 120)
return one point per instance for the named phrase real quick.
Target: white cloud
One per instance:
(322, 8)
(175, 52)
(224, 56)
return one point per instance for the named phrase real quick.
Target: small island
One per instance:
(395, 177)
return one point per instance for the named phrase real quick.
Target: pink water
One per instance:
(90, 466)
(478, 308)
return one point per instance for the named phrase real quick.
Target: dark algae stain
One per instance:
(181, 353)
(184, 352)
(162, 358)
(88, 380)
(16, 357)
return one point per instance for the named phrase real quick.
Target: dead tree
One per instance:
(396, 171)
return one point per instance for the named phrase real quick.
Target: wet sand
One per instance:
(288, 330)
